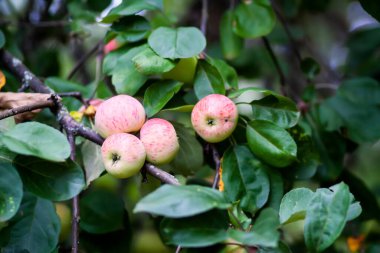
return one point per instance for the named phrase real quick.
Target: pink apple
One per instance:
(123, 155)
(119, 114)
(214, 117)
(110, 46)
(160, 141)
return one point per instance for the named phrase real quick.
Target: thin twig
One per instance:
(26, 108)
(161, 175)
(216, 158)
(204, 17)
(276, 64)
(83, 60)
(75, 94)
(178, 249)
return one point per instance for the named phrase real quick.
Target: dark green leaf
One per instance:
(245, 178)
(227, 72)
(10, 191)
(361, 90)
(124, 74)
(271, 143)
(198, 231)
(101, 212)
(237, 93)
(148, 62)
(264, 231)
(326, 216)
(230, 43)
(131, 7)
(181, 201)
(54, 181)
(181, 42)
(62, 85)
(2, 39)
(310, 67)
(158, 95)
(130, 28)
(294, 205)
(92, 161)
(189, 159)
(35, 228)
(36, 139)
(254, 19)
(372, 7)
(208, 80)
(275, 108)
(276, 191)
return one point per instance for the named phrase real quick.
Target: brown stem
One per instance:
(216, 158)
(276, 64)
(26, 108)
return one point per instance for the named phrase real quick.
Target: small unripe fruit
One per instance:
(160, 141)
(214, 117)
(93, 105)
(64, 214)
(184, 71)
(123, 155)
(119, 114)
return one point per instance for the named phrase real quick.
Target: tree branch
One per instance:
(75, 94)
(161, 175)
(204, 17)
(276, 64)
(26, 108)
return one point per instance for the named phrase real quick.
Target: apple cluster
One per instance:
(123, 153)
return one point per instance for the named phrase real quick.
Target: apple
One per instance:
(110, 46)
(160, 141)
(184, 71)
(214, 117)
(64, 214)
(119, 114)
(123, 155)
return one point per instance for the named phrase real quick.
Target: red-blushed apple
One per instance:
(110, 46)
(119, 114)
(160, 141)
(214, 117)
(123, 155)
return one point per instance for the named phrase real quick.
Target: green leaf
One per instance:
(230, 43)
(148, 62)
(310, 67)
(361, 90)
(245, 178)
(158, 95)
(181, 42)
(354, 211)
(254, 19)
(10, 191)
(61, 85)
(294, 205)
(182, 108)
(130, 28)
(36, 139)
(124, 74)
(6, 124)
(101, 212)
(276, 191)
(2, 39)
(181, 201)
(131, 7)
(227, 72)
(92, 161)
(208, 80)
(54, 181)
(275, 108)
(271, 143)
(189, 158)
(35, 228)
(198, 231)
(237, 93)
(264, 231)
(326, 217)
(372, 7)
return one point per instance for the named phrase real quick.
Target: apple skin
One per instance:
(160, 141)
(64, 214)
(110, 46)
(119, 114)
(123, 155)
(184, 71)
(214, 117)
